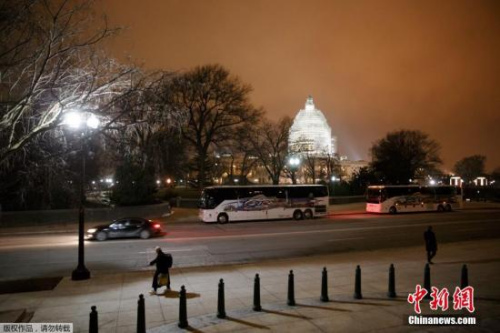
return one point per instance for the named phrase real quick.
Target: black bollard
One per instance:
(141, 315)
(357, 284)
(324, 286)
(291, 292)
(392, 283)
(183, 322)
(221, 307)
(256, 294)
(93, 322)
(427, 281)
(464, 280)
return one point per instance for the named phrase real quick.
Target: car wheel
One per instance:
(145, 234)
(447, 208)
(308, 214)
(101, 236)
(393, 210)
(222, 218)
(297, 215)
(440, 208)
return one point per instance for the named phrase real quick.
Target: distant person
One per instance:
(430, 244)
(163, 263)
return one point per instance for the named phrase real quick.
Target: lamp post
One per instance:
(74, 120)
(294, 163)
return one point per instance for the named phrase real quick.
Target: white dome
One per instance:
(310, 132)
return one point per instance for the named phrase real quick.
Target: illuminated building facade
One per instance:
(310, 133)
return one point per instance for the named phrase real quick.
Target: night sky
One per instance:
(371, 66)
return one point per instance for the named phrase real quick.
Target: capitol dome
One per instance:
(310, 133)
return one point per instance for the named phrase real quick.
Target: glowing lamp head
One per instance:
(93, 122)
(294, 161)
(73, 120)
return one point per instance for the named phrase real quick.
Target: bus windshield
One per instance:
(212, 197)
(375, 195)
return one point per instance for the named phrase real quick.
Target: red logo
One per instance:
(439, 299)
(417, 297)
(462, 298)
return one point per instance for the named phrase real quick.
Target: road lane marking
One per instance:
(169, 250)
(343, 239)
(415, 225)
(29, 246)
(471, 229)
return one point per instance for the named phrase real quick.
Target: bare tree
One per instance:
(216, 105)
(270, 146)
(49, 64)
(239, 150)
(242, 155)
(149, 131)
(402, 155)
(470, 167)
(311, 166)
(331, 165)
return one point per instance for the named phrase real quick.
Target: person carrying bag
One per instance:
(163, 262)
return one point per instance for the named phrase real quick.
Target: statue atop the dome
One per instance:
(310, 103)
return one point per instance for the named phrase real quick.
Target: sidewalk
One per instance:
(116, 295)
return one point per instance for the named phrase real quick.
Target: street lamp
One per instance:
(294, 163)
(74, 120)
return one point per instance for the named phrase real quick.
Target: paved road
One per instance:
(194, 244)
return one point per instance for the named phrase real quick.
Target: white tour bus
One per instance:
(412, 198)
(263, 202)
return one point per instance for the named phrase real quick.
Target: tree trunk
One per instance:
(201, 170)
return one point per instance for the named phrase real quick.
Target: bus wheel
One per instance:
(308, 214)
(222, 218)
(393, 210)
(440, 208)
(447, 208)
(297, 215)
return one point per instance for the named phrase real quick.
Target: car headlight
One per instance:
(91, 231)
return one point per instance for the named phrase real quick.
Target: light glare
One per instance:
(72, 119)
(93, 122)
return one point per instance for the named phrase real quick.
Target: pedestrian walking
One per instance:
(430, 244)
(163, 262)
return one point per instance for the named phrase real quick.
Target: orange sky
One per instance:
(372, 66)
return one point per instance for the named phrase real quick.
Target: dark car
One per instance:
(125, 228)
